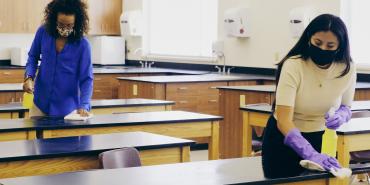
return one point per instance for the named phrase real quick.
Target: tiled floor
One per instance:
(199, 155)
(202, 155)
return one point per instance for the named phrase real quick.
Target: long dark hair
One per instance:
(68, 7)
(324, 22)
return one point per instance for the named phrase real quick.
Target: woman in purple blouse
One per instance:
(64, 79)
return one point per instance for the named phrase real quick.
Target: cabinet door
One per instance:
(12, 76)
(19, 16)
(104, 16)
(6, 24)
(26, 16)
(111, 15)
(95, 11)
(35, 16)
(7, 97)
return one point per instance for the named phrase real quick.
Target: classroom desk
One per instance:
(105, 82)
(228, 171)
(59, 155)
(230, 98)
(171, 123)
(16, 110)
(12, 92)
(195, 93)
(352, 136)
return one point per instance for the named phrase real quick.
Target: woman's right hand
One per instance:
(28, 85)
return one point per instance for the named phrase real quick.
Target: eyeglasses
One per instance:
(66, 26)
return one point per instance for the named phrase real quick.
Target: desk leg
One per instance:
(343, 158)
(185, 154)
(31, 135)
(213, 146)
(343, 152)
(168, 107)
(247, 136)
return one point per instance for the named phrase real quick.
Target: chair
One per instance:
(120, 158)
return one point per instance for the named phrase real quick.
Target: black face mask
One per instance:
(321, 57)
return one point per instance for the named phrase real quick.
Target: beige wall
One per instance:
(270, 37)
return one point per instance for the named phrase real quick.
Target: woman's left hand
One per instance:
(341, 116)
(83, 112)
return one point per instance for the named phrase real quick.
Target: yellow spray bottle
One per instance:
(27, 100)
(329, 139)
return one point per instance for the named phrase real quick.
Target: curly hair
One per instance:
(68, 7)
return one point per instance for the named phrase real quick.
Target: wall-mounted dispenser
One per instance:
(299, 18)
(237, 22)
(131, 23)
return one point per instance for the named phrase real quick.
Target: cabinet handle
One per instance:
(183, 88)
(7, 73)
(212, 87)
(183, 102)
(212, 101)
(12, 100)
(97, 91)
(97, 79)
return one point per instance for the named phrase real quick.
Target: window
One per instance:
(356, 15)
(180, 29)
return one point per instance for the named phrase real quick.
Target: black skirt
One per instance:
(279, 160)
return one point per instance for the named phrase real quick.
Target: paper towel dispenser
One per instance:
(237, 22)
(299, 18)
(131, 23)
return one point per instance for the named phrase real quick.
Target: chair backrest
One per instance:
(360, 114)
(120, 158)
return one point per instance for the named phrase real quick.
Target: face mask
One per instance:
(64, 32)
(321, 57)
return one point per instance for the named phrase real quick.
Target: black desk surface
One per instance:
(138, 70)
(11, 107)
(363, 85)
(266, 108)
(354, 126)
(196, 78)
(128, 119)
(228, 171)
(84, 145)
(252, 88)
(13, 87)
(271, 88)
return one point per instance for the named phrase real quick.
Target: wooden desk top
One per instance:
(85, 145)
(227, 171)
(252, 88)
(12, 107)
(195, 78)
(128, 119)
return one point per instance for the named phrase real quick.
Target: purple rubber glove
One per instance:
(304, 149)
(342, 115)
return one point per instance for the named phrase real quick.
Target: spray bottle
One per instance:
(27, 100)
(329, 139)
